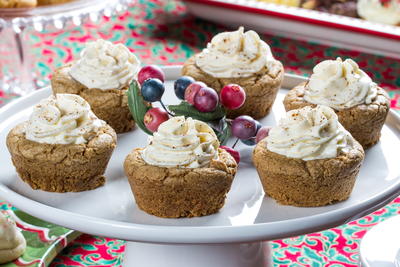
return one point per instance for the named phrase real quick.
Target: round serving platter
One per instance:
(248, 214)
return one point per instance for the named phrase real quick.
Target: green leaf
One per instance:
(187, 110)
(137, 106)
(221, 129)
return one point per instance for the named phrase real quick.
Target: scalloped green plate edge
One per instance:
(43, 240)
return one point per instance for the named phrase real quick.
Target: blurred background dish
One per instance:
(287, 19)
(17, 24)
(382, 11)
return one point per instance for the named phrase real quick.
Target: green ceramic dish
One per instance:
(44, 240)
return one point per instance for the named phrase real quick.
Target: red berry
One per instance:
(235, 154)
(192, 90)
(150, 71)
(206, 100)
(262, 133)
(154, 117)
(244, 127)
(232, 96)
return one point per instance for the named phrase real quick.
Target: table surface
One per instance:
(161, 32)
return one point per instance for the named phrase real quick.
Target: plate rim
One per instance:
(197, 234)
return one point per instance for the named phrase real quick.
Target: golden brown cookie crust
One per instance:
(364, 122)
(17, 3)
(261, 88)
(108, 105)
(61, 168)
(29, 3)
(180, 192)
(53, 2)
(307, 183)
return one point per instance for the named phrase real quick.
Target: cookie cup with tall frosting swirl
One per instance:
(101, 76)
(12, 242)
(361, 105)
(308, 159)
(182, 172)
(63, 147)
(242, 58)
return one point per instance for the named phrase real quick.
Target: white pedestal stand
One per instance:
(257, 254)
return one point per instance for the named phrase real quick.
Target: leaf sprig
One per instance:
(188, 110)
(221, 129)
(137, 106)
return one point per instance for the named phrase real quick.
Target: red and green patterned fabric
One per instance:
(162, 32)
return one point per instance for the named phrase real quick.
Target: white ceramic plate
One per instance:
(247, 215)
(309, 25)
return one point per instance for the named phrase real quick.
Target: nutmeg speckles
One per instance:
(62, 119)
(235, 54)
(309, 133)
(104, 65)
(182, 143)
(339, 84)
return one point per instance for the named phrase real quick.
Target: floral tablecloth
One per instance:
(161, 32)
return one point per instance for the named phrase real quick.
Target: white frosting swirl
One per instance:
(104, 65)
(340, 85)
(62, 119)
(387, 12)
(235, 54)
(12, 242)
(184, 143)
(309, 134)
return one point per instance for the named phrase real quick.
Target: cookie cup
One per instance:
(18, 3)
(52, 2)
(109, 105)
(307, 183)
(8, 255)
(261, 88)
(61, 167)
(363, 121)
(180, 192)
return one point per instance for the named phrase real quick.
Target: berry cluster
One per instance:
(151, 78)
(198, 101)
(204, 98)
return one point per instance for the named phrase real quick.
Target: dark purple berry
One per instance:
(180, 86)
(252, 140)
(244, 127)
(206, 100)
